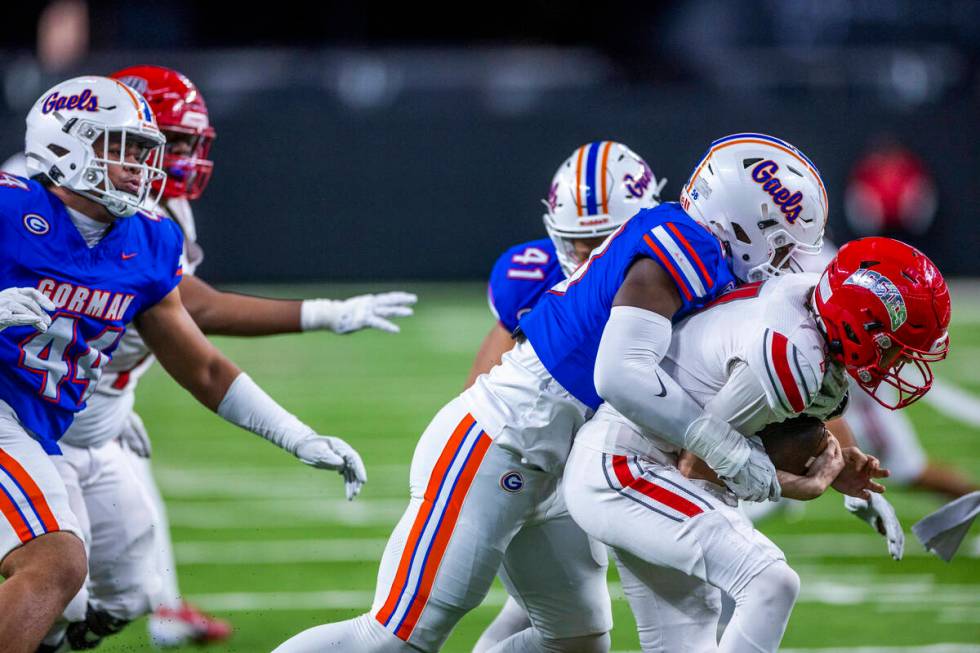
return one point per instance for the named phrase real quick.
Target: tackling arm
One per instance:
(197, 365)
(627, 375)
(231, 314)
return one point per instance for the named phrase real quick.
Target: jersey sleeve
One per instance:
(168, 268)
(518, 279)
(789, 378)
(692, 257)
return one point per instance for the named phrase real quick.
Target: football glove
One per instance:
(356, 313)
(880, 514)
(833, 392)
(134, 436)
(325, 452)
(756, 479)
(24, 306)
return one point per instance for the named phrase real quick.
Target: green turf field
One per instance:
(271, 544)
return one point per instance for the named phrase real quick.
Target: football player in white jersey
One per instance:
(880, 312)
(484, 474)
(106, 450)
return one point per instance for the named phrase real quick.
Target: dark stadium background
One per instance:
(375, 141)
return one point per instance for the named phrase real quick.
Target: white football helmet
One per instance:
(601, 186)
(63, 126)
(763, 198)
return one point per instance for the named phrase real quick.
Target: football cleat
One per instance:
(170, 628)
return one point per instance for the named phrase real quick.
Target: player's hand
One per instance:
(356, 313)
(25, 306)
(756, 479)
(325, 452)
(881, 516)
(832, 392)
(821, 473)
(857, 478)
(134, 436)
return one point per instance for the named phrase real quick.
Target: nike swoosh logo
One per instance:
(126, 256)
(663, 388)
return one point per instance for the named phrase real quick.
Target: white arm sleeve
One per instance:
(628, 376)
(742, 401)
(248, 406)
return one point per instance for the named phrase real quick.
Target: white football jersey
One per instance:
(769, 330)
(109, 406)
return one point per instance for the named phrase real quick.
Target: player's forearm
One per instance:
(231, 314)
(497, 343)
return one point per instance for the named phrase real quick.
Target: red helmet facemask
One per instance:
(885, 309)
(182, 115)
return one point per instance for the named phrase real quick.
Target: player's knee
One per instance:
(777, 585)
(55, 564)
(598, 643)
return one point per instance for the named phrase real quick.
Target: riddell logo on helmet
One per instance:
(84, 101)
(885, 290)
(637, 187)
(765, 173)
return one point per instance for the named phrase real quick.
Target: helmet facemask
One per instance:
(186, 162)
(903, 368)
(778, 250)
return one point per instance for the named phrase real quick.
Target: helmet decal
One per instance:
(885, 290)
(138, 84)
(638, 187)
(790, 204)
(84, 101)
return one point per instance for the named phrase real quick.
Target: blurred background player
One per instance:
(524, 272)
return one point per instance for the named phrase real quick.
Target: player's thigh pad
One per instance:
(655, 514)
(558, 574)
(121, 573)
(33, 498)
(445, 551)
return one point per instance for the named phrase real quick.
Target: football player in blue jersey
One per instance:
(525, 272)
(484, 475)
(81, 260)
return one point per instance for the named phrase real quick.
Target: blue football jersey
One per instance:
(566, 325)
(46, 377)
(520, 277)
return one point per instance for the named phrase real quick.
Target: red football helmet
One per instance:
(183, 117)
(885, 309)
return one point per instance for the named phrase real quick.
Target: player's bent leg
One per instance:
(557, 573)
(41, 577)
(674, 611)
(651, 512)
(531, 641)
(442, 557)
(762, 610)
(511, 620)
(42, 554)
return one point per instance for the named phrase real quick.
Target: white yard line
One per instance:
(955, 402)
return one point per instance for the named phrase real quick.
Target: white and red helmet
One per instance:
(885, 309)
(763, 198)
(64, 125)
(601, 186)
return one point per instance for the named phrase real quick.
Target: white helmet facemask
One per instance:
(594, 192)
(81, 127)
(764, 199)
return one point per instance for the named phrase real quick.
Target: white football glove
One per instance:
(24, 306)
(325, 452)
(831, 393)
(881, 516)
(134, 436)
(756, 479)
(356, 313)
